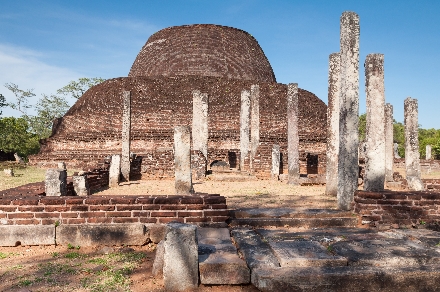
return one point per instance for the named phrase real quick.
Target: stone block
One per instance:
(219, 263)
(156, 232)
(102, 234)
(182, 161)
(8, 172)
(115, 171)
(180, 268)
(13, 235)
(56, 182)
(158, 260)
(80, 185)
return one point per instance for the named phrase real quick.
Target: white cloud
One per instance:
(25, 68)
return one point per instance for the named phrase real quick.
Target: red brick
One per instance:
(368, 195)
(119, 214)
(190, 214)
(74, 221)
(216, 212)
(4, 201)
(191, 200)
(56, 209)
(427, 196)
(52, 201)
(173, 207)
(141, 214)
(8, 209)
(395, 196)
(99, 220)
(97, 201)
(79, 208)
(3, 215)
(75, 201)
(219, 206)
(145, 200)
(47, 215)
(172, 200)
(151, 207)
(69, 215)
(147, 220)
(27, 222)
(219, 218)
(128, 207)
(49, 221)
(195, 219)
(365, 201)
(24, 202)
(30, 209)
(123, 200)
(20, 215)
(163, 214)
(102, 208)
(168, 220)
(214, 200)
(197, 207)
(91, 214)
(125, 220)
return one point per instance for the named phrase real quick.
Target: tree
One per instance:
(16, 137)
(21, 98)
(76, 89)
(399, 137)
(362, 127)
(2, 103)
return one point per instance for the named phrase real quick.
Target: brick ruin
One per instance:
(217, 60)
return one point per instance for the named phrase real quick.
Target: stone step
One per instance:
(219, 263)
(282, 217)
(341, 259)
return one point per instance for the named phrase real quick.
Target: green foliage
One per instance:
(21, 103)
(76, 89)
(2, 102)
(15, 136)
(399, 137)
(362, 127)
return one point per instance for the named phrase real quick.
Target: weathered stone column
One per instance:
(56, 182)
(396, 150)
(375, 130)
(182, 160)
(389, 147)
(255, 121)
(292, 134)
(114, 171)
(80, 185)
(126, 126)
(275, 162)
(200, 122)
(244, 126)
(348, 161)
(412, 155)
(331, 185)
(428, 152)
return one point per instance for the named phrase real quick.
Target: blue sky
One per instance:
(45, 44)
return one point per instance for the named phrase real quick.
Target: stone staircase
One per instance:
(289, 217)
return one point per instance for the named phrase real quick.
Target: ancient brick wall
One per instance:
(203, 50)
(91, 129)
(40, 210)
(405, 208)
(426, 166)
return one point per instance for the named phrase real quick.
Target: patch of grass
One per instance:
(72, 255)
(55, 254)
(98, 261)
(3, 255)
(25, 283)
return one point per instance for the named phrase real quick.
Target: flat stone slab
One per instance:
(289, 213)
(256, 252)
(295, 222)
(305, 254)
(219, 263)
(102, 234)
(13, 235)
(348, 279)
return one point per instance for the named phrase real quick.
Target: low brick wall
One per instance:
(41, 210)
(403, 208)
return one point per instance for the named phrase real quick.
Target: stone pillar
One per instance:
(292, 134)
(80, 185)
(181, 258)
(126, 126)
(389, 147)
(348, 161)
(255, 121)
(375, 130)
(331, 185)
(412, 155)
(244, 126)
(61, 165)
(56, 182)
(200, 122)
(115, 171)
(428, 152)
(275, 162)
(182, 160)
(396, 150)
